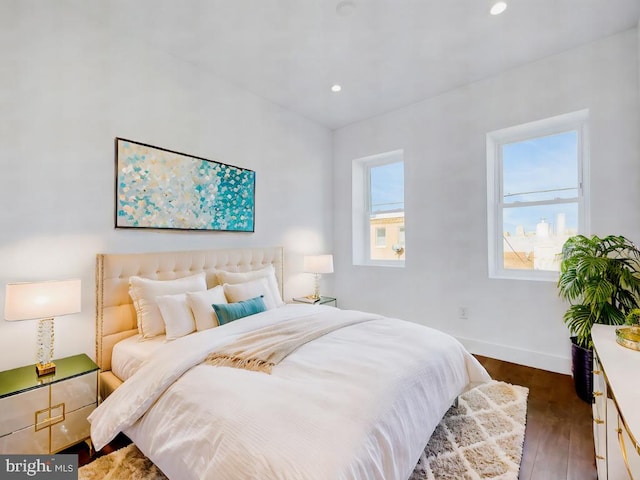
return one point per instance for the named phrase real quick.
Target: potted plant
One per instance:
(633, 317)
(600, 277)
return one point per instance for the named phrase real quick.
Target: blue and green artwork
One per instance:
(158, 188)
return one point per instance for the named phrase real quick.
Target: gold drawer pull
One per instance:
(44, 422)
(597, 372)
(50, 419)
(597, 394)
(600, 457)
(59, 417)
(598, 421)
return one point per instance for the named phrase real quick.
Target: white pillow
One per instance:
(200, 303)
(143, 292)
(177, 316)
(244, 291)
(274, 296)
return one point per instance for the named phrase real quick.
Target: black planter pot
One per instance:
(582, 369)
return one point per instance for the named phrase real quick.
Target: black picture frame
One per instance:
(160, 188)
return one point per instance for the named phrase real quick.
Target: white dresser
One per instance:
(47, 414)
(616, 406)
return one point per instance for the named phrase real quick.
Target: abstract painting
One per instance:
(159, 188)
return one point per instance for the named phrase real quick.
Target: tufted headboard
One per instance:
(115, 314)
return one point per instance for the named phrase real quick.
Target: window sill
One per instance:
(380, 264)
(530, 275)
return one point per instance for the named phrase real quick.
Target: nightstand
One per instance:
(322, 301)
(43, 415)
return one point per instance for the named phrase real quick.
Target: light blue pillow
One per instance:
(228, 312)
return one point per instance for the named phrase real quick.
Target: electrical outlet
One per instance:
(463, 313)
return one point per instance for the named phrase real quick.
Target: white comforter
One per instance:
(358, 403)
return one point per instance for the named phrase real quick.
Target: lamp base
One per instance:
(316, 287)
(43, 369)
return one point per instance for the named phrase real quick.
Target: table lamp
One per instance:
(318, 264)
(42, 301)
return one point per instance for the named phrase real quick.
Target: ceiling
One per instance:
(385, 54)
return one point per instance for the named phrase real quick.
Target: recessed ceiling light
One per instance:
(345, 8)
(498, 7)
(336, 88)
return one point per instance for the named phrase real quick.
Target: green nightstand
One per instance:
(43, 415)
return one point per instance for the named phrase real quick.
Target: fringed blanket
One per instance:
(265, 347)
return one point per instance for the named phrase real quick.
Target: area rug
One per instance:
(480, 438)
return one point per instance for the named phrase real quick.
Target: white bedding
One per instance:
(130, 353)
(358, 403)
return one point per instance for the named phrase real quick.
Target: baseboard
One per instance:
(529, 358)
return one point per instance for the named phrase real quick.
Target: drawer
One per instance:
(600, 440)
(73, 429)
(601, 467)
(616, 469)
(599, 382)
(598, 406)
(629, 450)
(76, 392)
(25, 441)
(18, 411)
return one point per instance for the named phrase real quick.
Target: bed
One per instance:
(358, 399)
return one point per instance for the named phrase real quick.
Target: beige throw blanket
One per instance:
(265, 347)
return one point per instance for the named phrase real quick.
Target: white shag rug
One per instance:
(480, 439)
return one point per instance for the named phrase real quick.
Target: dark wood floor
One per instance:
(558, 441)
(84, 456)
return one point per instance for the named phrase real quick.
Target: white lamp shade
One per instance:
(318, 263)
(26, 301)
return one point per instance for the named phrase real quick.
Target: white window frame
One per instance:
(361, 208)
(575, 121)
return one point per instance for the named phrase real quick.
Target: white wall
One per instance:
(443, 139)
(68, 86)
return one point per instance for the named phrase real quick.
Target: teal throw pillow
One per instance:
(228, 312)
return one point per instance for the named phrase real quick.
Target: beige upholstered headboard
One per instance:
(115, 315)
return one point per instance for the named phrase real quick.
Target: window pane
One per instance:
(387, 188)
(381, 236)
(533, 236)
(386, 216)
(543, 168)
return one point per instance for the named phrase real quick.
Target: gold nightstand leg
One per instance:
(90, 445)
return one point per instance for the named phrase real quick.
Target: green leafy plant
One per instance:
(600, 277)
(633, 317)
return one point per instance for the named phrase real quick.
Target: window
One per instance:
(401, 236)
(378, 210)
(381, 237)
(537, 194)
